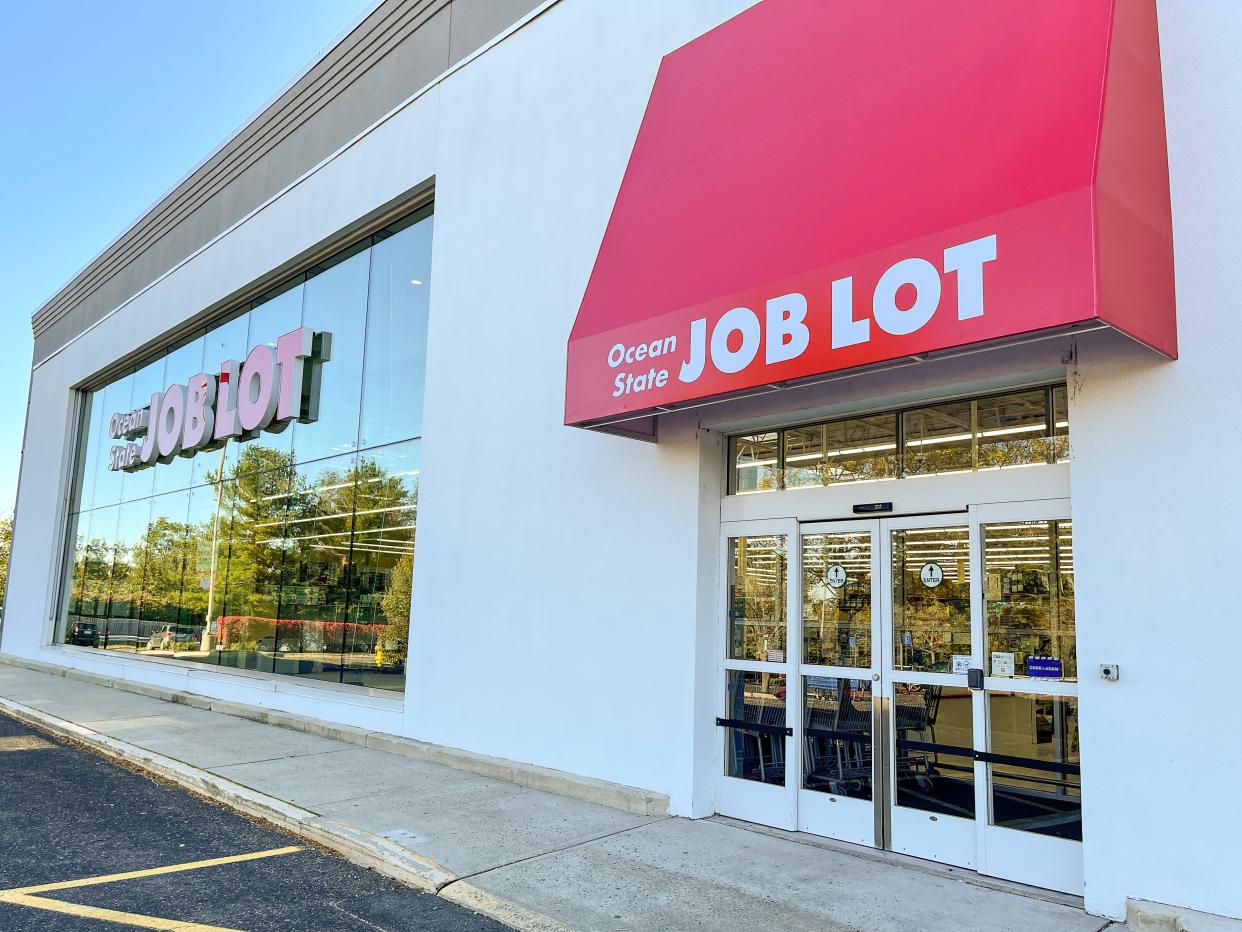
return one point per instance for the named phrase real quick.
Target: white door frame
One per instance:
(935, 836)
(749, 799)
(1040, 860)
(837, 815)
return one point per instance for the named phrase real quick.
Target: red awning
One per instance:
(819, 185)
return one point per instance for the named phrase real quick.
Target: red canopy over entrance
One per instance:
(819, 185)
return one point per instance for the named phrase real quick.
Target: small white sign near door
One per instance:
(836, 576)
(931, 575)
(1002, 663)
(961, 663)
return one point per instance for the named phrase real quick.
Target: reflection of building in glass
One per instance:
(290, 552)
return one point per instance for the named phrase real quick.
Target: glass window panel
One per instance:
(837, 732)
(756, 462)
(207, 574)
(311, 625)
(757, 588)
(163, 561)
(336, 301)
(1029, 597)
(376, 641)
(860, 449)
(270, 318)
(804, 457)
(95, 561)
(197, 590)
(78, 628)
(931, 597)
(1060, 424)
(179, 366)
(120, 632)
(1013, 430)
(255, 548)
(755, 753)
(116, 398)
(147, 381)
(396, 340)
(95, 443)
(938, 439)
(836, 599)
(933, 758)
(227, 341)
(1039, 790)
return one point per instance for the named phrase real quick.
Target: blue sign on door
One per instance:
(1048, 668)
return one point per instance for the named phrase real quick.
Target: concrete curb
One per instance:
(361, 847)
(518, 917)
(588, 789)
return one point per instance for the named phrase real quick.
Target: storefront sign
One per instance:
(836, 198)
(267, 391)
(931, 575)
(1044, 667)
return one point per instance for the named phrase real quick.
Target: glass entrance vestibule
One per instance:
(908, 683)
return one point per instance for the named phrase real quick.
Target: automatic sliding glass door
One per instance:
(908, 684)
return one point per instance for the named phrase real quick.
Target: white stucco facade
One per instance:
(567, 590)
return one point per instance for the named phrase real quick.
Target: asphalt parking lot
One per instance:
(70, 822)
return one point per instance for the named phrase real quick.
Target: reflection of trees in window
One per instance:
(160, 561)
(383, 556)
(321, 549)
(330, 554)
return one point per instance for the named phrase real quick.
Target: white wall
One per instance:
(557, 575)
(1157, 447)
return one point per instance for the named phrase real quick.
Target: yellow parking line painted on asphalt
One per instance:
(109, 915)
(24, 743)
(152, 871)
(23, 896)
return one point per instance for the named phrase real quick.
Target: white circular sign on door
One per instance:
(836, 576)
(931, 575)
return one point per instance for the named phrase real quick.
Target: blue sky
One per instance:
(105, 106)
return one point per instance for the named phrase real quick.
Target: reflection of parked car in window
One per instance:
(83, 633)
(166, 637)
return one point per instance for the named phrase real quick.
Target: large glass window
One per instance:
(290, 551)
(1022, 428)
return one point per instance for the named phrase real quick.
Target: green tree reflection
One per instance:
(283, 561)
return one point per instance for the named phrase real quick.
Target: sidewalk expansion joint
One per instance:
(271, 760)
(567, 847)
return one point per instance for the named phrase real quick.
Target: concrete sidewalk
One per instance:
(530, 858)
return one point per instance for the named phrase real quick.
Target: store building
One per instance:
(799, 408)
